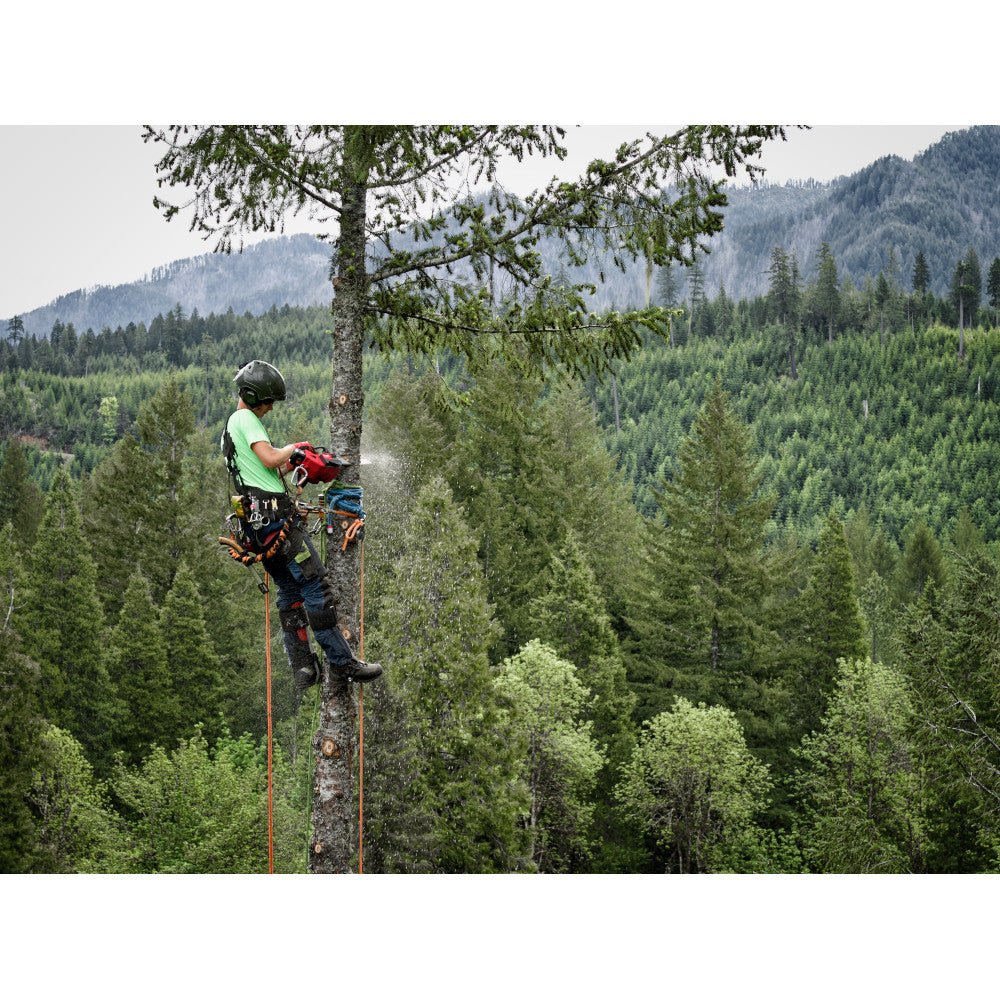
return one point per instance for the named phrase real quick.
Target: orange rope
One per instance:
(270, 778)
(361, 716)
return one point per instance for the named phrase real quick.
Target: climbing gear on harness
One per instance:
(246, 555)
(343, 509)
(259, 382)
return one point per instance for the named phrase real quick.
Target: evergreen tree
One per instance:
(883, 297)
(921, 283)
(401, 829)
(138, 665)
(704, 619)
(20, 499)
(166, 423)
(62, 626)
(828, 289)
(546, 703)
(876, 603)
(921, 564)
(696, 292)
(667, 295)
(15, 331)
(20, 724)
(120, 495)
(993, 289)
(966, 288)
(949, 650)
(191, 661)
(435, 628)
(966, 538)
(921, 275)
(571, 618)
(497, 472)
(831, 620)
(784, 295)
(579, 484)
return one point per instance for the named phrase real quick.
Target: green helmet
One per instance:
(258, 383)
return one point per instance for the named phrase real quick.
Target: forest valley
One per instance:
(731, 606)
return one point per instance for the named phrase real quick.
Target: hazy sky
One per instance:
(76, 201)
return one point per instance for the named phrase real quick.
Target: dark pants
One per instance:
(294, 586)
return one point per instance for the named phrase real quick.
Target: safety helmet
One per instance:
(258, 383)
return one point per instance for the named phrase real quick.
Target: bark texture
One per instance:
(332, 817)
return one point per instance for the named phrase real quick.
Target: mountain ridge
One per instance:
(941, 202)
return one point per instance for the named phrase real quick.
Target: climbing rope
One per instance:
(361, 723)
(270, 744)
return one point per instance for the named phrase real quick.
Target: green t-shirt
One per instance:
(245, 429)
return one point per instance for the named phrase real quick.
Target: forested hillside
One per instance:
(878, 219)
(940, 203)
(730, 608)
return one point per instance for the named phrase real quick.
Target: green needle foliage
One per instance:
(62, 625)
(433, 282)
(151, 711)
(704, 621)
(435, 628)
(194, 669)
(20, 497)
(831, 623)
(20, 723)
(570, 617)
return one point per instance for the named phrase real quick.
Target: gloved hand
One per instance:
(298, 455)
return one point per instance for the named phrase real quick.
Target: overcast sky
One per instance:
(76, 201)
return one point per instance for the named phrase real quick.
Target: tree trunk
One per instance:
(961, 328)
(333, 743)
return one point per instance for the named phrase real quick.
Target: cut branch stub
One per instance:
(329, 748)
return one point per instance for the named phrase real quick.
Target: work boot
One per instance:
(307, 674)
(359, 671)
(305, 677)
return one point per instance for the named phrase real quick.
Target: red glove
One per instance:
(298, 455)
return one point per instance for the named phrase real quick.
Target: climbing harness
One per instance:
(343, 509)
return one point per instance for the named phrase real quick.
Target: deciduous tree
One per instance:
(695, 789)
(863, 780)
(547, 705)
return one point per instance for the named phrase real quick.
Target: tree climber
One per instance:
(273, 527)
